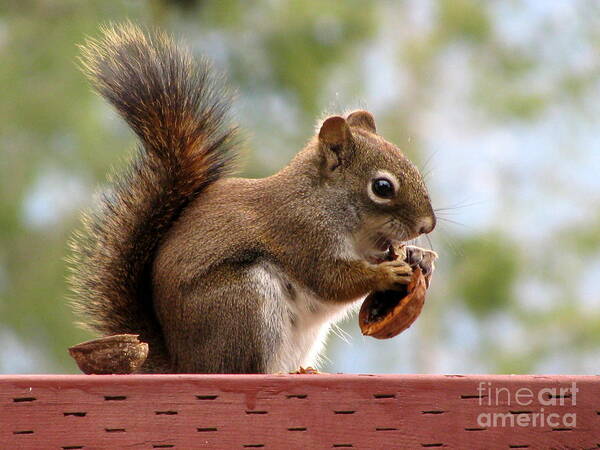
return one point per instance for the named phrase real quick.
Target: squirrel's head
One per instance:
(387, 191)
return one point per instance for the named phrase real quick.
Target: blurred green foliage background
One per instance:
(498, 102)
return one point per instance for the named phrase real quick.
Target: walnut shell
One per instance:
(386, 314)
(118, 354)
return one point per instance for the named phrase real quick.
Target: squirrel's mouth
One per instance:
(384, 251)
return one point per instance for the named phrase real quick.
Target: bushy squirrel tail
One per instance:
(173, 104)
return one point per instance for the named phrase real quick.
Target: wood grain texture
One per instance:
(294, 411)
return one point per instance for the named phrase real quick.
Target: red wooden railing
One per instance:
(299, 411)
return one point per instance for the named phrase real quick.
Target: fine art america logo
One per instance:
(528, 406)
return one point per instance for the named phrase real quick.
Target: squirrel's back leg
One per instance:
(222, 321)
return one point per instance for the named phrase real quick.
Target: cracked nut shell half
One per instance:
(386, 314)
(118, 354)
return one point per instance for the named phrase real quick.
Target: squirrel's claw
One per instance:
(306, 371)
(395, 273)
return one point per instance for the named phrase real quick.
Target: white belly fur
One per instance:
(300, 322)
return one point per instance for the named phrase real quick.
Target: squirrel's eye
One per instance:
(382, 187)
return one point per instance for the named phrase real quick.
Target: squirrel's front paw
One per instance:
(420, 257)
(392, 274)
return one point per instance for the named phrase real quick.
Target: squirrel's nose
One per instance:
(426, 224)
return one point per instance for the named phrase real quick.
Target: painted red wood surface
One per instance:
(297, 411)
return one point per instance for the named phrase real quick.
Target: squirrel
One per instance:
(230, 275)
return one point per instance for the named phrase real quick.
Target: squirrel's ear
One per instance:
(362, 119)
(334, 131)
(335, 138)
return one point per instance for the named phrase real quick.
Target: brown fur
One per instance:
(171, 103)
(209, 269)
